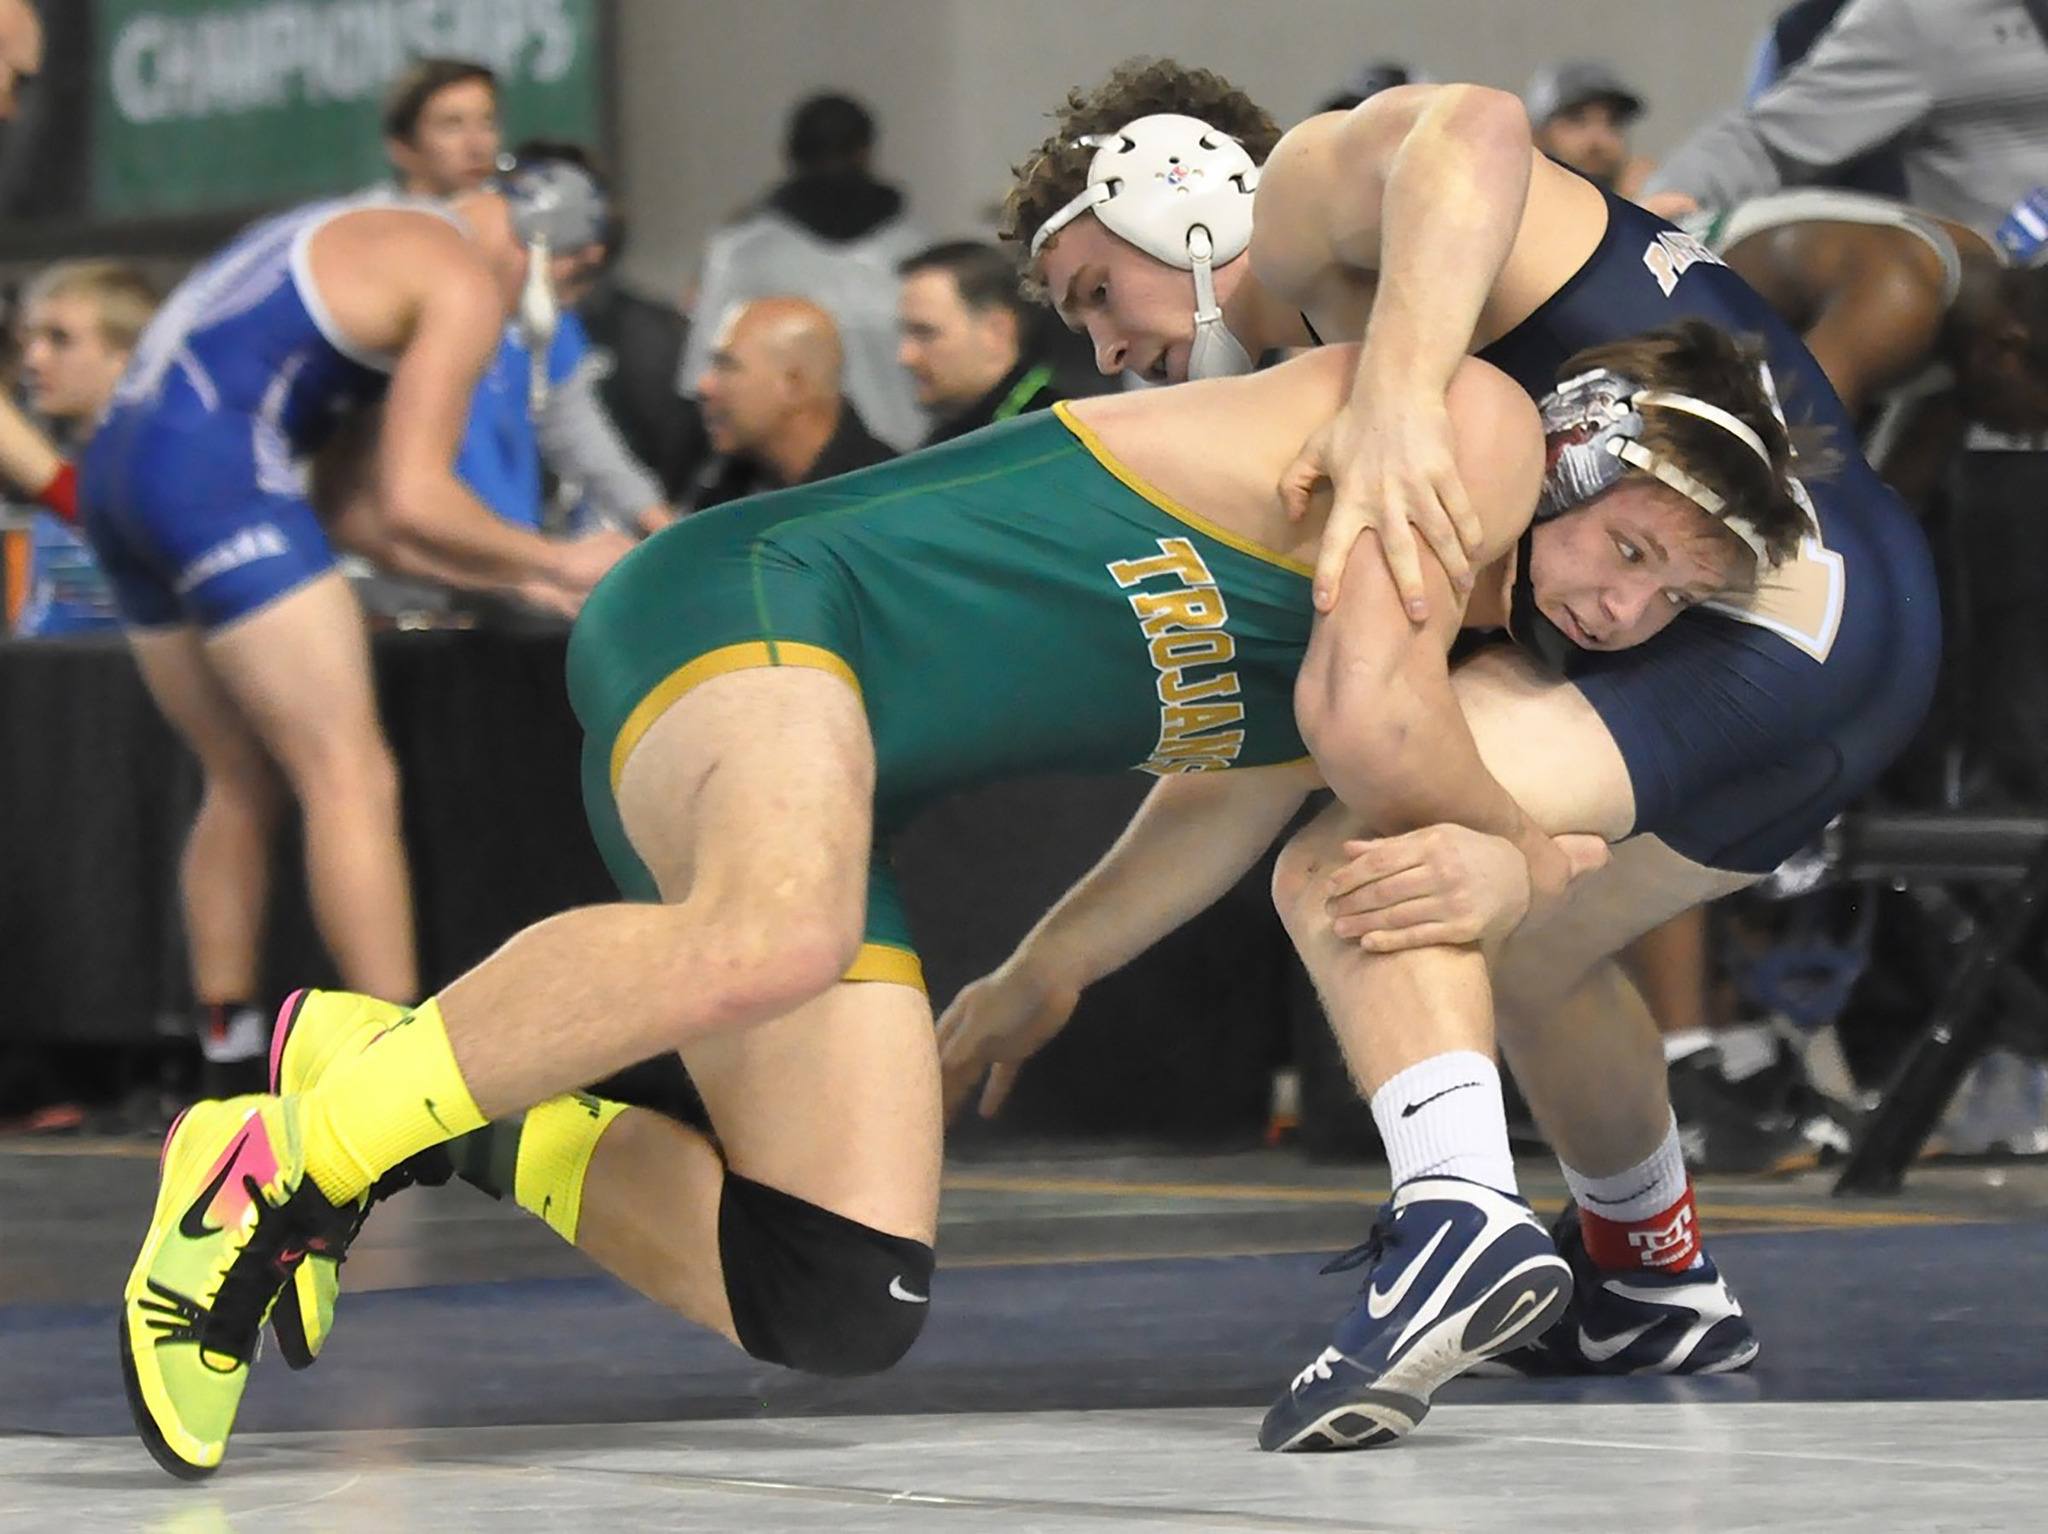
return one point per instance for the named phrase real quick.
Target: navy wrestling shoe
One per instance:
(1457, 1273)
(1635, 1323)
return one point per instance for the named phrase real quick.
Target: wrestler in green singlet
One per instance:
(1013, 602)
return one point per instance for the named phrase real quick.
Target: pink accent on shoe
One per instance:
(250, 1155)
(281, 1031)
(164, 1149)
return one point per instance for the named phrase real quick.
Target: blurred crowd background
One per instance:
(798, 276)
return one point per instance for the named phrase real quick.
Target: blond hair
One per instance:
(124, 298)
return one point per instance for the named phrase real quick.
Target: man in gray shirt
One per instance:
(1961, 85)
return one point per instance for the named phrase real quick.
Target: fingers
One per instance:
(957, 1085)
(1583, 854)
(1424, 910)
(1370, 861)
(1339, 533)
(1454, 531)
(1404, 562)
(1433, 934)
(1297, 484)
(1386, 892)
(1000, 1079)
(1441, 535)
(1457, 506)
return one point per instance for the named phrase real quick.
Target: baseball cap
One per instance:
(1559, 87)
(1369, 79)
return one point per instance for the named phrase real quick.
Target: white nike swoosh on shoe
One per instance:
(1380, 1305)
(1681, 1296)
(1600, 1349)
(898, 1292)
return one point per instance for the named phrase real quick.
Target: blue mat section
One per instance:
(1920, 1313)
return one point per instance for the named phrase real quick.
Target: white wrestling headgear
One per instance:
(1181, 191)
(556, 206)
(1592, 430)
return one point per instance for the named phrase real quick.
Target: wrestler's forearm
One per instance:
(1191, 840)
(1393, 744)
(441, 532)
(1453, 199)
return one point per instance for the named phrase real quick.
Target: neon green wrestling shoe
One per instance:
(314, 1030)
(235, 1214)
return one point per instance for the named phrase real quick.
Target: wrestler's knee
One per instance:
(813, 1290)
(1304, 863)
(763, 958)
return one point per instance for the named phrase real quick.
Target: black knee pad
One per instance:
(813, 1290)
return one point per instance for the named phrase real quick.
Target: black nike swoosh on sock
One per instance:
(1594, 1198)
(1414, 1108)
(193, 1226)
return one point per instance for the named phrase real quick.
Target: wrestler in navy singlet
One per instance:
(1747, 725)
(193, 490)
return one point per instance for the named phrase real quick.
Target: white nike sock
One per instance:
(246, 1037)
(1649, 1187)
(1444, 1118)
(1687, 1041)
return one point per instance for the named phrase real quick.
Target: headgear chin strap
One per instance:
(1181, 191)
(1592, 429)
(556, 206)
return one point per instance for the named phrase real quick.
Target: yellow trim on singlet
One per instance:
(744, 656)
(886, 963)
(1171, 507)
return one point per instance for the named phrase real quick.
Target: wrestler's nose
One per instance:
(1110, 352)
(1626, 604)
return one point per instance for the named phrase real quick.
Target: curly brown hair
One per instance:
(1701, 359)
(1057, 169)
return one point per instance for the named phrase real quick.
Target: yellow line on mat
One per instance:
(1252, 1193)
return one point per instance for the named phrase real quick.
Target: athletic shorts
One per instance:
(194, 517)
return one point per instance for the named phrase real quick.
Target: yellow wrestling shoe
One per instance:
(314, 1030)
(235, 1213)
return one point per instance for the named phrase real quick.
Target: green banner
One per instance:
(211, 105)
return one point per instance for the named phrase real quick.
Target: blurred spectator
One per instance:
(1367, 81)
(1790, 38)
(1580, 113)
(773, 405)
(442, 136)
(21, 50)
(968, 341)
(441, 126)
(835, 235)
(520, 424)
(635, 345)
(1961, 86)
(1917, 314)
(1921, 322)
(80, 321)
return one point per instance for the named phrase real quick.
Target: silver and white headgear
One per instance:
(1592, 431)
(1181, 191)
(557, 207)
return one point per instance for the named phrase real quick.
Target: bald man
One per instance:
(21, 51)
(773, 403)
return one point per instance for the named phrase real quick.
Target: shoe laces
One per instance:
(426, 1170)
(254, 1270)
(1384, 1236)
